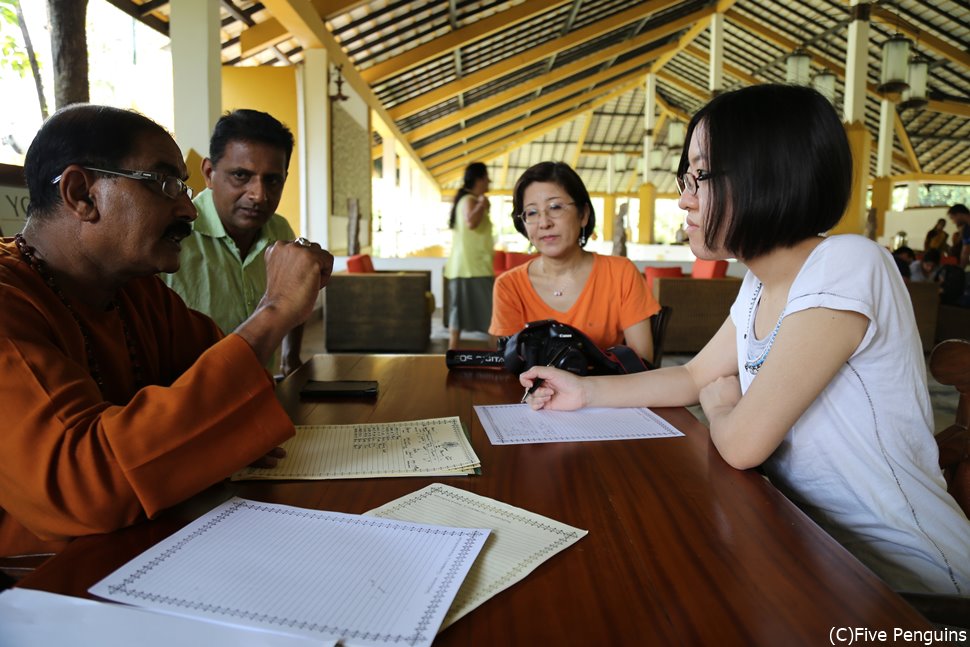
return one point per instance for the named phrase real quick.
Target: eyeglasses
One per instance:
(688, 181)
(172, 186)
(553, 211)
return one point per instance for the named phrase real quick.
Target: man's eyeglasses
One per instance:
(688, 181)
(553, 211)
(172, 186)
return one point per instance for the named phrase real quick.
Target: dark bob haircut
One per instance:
(473, 173)
(85, 134)
(251, 126)
(780, 164)
(557, 173)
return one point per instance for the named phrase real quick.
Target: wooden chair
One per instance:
(658, 328)
(950, 365)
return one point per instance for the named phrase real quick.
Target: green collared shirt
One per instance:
(213, 278)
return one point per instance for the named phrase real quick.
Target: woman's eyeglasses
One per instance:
(687, 182)
(172, 186)
(553, 211)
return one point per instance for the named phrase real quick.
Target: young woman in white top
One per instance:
(818, 374)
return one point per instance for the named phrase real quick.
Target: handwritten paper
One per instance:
(520, 540)
(518, 424)
(362, 580)
(432, 447)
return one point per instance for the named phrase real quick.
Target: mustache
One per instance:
(179, 228)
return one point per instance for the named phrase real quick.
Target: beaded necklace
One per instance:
(753, 366)
(30, 257)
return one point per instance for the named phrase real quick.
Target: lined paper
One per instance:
(520, 540)
(361, 580)
(430, 447)
(517, 424)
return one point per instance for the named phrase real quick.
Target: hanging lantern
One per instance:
(656, 160)
(675, 165)
(798, 67)
(676, 133)
(895, 53)
(824, 84)
(915, 96)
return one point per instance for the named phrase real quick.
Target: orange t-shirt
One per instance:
(614, 298)
(77, 462)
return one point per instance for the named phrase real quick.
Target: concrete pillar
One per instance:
(882, 200)
(196, 72)
(715, 76)
(649, 122)
(884, 150)
(856, 64)
(314, 132)
(648, 200)
(860, 142)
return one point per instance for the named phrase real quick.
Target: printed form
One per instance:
(432, 447)
(520, 540)
(331, 576)
(518, 424)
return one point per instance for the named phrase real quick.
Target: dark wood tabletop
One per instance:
(682, 549)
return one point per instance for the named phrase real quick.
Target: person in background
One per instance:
(118, 400)
(469, 268)
(926, 268)
(223, 271)
(960, 216)
(604, 296)
(817, 375)
(936, 237)
(904, 257)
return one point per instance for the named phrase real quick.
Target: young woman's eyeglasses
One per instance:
(553, 211)
(688, 181)
(172, 186)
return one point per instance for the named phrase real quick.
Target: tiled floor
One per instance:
(943, 398)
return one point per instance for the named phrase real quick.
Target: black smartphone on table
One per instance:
(315, 389)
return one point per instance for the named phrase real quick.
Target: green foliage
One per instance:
(13, 56)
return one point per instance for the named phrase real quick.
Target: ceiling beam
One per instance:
(513, 126)
(518, 140)
(581, 138)
(302, 20)
(733, 70)
(949, 107)
(458, 38)
(906, 145)
(272, 32)
(526, 58)
(583, 64)
(929, 41)
(541, 103)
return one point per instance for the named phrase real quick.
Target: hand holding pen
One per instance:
(538, 381)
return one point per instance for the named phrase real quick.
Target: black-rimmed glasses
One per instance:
(688, 181)
(172, 187)
(553, 211)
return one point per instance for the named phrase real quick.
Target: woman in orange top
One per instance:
(604, 296)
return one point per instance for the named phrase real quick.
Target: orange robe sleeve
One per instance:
(77, 462)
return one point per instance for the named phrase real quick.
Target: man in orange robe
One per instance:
(117, 400)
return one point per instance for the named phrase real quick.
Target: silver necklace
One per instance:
(753, 366)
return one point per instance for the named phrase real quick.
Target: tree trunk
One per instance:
(32, 58)
(69, 49)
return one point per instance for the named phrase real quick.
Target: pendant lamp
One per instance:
(824, 84)
(895, 53)
(676, 133)
(798, 67)
(915, 96)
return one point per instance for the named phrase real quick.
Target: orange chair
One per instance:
(656, 272)
(360, 264)
(517, 258)
(703, 269)
(499, 262)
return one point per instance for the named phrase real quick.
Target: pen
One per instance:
(538, 381)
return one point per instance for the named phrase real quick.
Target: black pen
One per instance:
(538, 381)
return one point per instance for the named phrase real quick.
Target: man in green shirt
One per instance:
(223, 273)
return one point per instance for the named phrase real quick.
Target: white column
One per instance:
(649, 122)
(715, 76)
(196, 71)
(884, 151)
(314, 117)
(856, 64)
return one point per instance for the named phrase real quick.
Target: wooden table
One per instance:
(682, 549)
